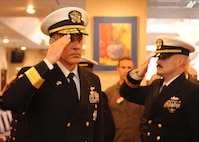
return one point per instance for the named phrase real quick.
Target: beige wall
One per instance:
(31, 58)
(117, 8)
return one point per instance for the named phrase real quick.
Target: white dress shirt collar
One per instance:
(66, 71)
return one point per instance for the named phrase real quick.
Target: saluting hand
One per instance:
(56, 48)
(143, 68)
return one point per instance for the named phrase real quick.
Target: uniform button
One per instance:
(95, 106)
(11, 128)
(87, 124)
(15, 129)
(148, 134)
(149, 121)
(159, 125)
(15, 120)
(158, 138)
(23, 113)
(13, 138)
(68, 124)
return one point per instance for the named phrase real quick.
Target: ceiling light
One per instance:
(30, 10)
(5, 40)
(191, 4)
(23, 48)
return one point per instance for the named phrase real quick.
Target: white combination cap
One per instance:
(172, 45)
(68, 20)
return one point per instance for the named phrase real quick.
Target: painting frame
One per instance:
(106, 20)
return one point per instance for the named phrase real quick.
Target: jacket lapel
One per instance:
(57, 79)
(82, 106)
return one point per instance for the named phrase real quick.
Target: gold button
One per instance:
(68, 124)
(15, 129)
(149, 121)
(148, 134)
(23, 113)
(11, 128)
(15, 120)
(158, 138)
(159, 125)
(96, 106)
(13, 138)
(87, 124)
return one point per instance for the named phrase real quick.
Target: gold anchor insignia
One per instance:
(75, 16)
(159, 43)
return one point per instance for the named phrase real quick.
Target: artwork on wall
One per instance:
(114, 37)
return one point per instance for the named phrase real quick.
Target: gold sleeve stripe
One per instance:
(34, 77)
(131, 85)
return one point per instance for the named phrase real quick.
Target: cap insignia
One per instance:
(75, 16)
(159, 43)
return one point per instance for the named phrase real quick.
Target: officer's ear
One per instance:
(181, 60)
(51, 40)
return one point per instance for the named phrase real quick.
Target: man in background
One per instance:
(193, 72)
(126, 115)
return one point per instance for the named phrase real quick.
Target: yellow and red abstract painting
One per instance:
(114, 43)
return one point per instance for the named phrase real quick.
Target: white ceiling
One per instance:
(172, 17)
(24, 30)
(172, 9)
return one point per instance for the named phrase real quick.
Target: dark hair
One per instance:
(52, 34)
(124, 58)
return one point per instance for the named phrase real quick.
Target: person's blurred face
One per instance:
(72, 52)
(124, 67)
(193, 73)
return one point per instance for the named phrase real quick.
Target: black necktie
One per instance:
(162, 88)
(72, 86)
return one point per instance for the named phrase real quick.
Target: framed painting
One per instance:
(114, 37)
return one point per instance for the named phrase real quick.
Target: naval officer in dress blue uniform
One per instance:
(171, 114)
(57, 107)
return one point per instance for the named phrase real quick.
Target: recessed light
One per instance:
(23, 48)
(30, 9)
(5, 40)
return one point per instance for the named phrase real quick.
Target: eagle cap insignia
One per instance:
(75, 16)
(159, 43)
